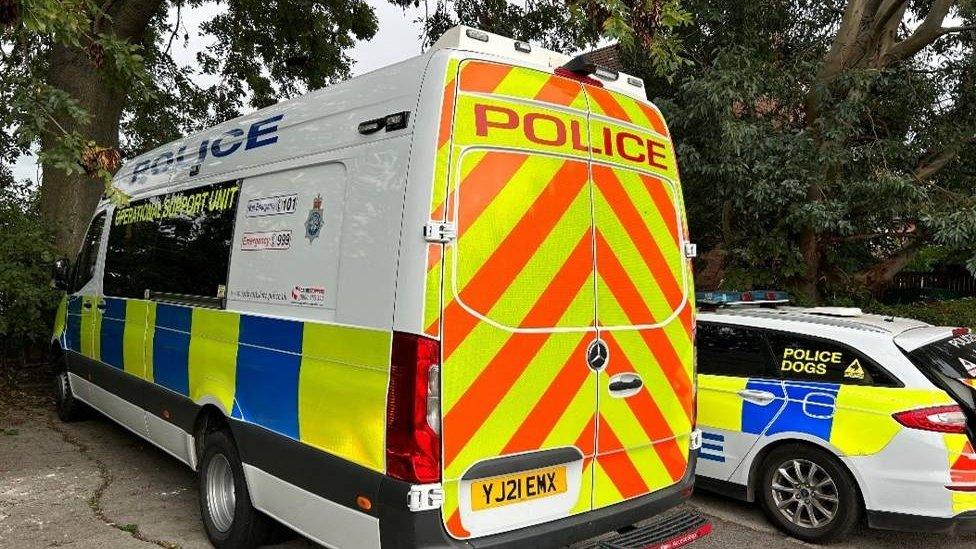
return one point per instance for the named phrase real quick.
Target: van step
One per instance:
(664, 532)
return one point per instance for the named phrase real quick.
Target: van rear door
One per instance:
(527, 367)
(645, 393)
(518, 400)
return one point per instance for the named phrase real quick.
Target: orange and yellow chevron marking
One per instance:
(488, 177)
(626, 293)
(481, 77)
(962, 471)
(636, 226)
(648, 414)
(618, 106)
(538, 240)
(522, 83)
(551, 406)
(613, 459)
(501, 372)
(491, 280)
(454, 526)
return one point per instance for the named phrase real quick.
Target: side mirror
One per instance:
(62, 268)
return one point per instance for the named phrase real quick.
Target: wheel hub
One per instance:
(805, 493)
(221, 495)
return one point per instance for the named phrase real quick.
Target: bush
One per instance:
(27, 301)
(956, 312)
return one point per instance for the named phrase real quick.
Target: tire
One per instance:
(231, 523)
(67, 406)
(834, 501)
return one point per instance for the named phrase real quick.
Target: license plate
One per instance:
(519, 487)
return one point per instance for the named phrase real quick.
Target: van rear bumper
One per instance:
(402, 528)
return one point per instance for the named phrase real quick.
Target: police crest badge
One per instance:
(315, 220)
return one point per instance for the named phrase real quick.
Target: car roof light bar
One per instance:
(752, 297)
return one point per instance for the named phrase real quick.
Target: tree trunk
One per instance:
(67, 201)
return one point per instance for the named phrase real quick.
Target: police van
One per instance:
(826, 415)
(447, 303)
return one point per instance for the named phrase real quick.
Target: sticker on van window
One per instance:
(272, 205)
(266, 240)
(808, 361)
(854, 370)
(312, 296)
(183, 204)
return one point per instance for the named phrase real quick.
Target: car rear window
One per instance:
(954, 357)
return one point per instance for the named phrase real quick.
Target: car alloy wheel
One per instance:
(805, 493)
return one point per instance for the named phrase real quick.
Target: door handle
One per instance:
(625, 385)
(762, 398)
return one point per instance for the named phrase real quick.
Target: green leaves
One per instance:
(26, 298)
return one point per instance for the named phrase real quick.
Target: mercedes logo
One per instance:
(597, 355)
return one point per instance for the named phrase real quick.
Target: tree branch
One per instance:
(888, 10)
(937, 161)
(963, 28)
(880, 274)
(928, 31)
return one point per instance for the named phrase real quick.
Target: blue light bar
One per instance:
(752, 297)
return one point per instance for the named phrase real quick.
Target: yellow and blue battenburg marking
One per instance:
(276, 373)
(809, 409)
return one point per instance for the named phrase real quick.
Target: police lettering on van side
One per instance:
(261, 133)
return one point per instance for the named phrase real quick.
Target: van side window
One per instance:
(810, 359)
(735, 351)
(173, 247)
(84, 267)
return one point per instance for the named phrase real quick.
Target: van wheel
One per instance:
(808, 494)
(68, 407)
(225, 504)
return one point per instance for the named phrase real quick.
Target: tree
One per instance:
(823, 144)
(76, 76)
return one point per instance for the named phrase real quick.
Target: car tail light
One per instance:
(956, 332)
(413, 443)
(941, 419)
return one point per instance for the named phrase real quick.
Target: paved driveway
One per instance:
(95, 485)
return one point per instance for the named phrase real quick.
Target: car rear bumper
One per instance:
(961, 523)
(400, 528)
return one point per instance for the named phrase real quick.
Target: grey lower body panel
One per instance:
(962, 523)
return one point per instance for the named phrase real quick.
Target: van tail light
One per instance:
(413, 442)
(940, 419)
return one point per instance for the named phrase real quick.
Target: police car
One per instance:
(444, 304)
(826, 415)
